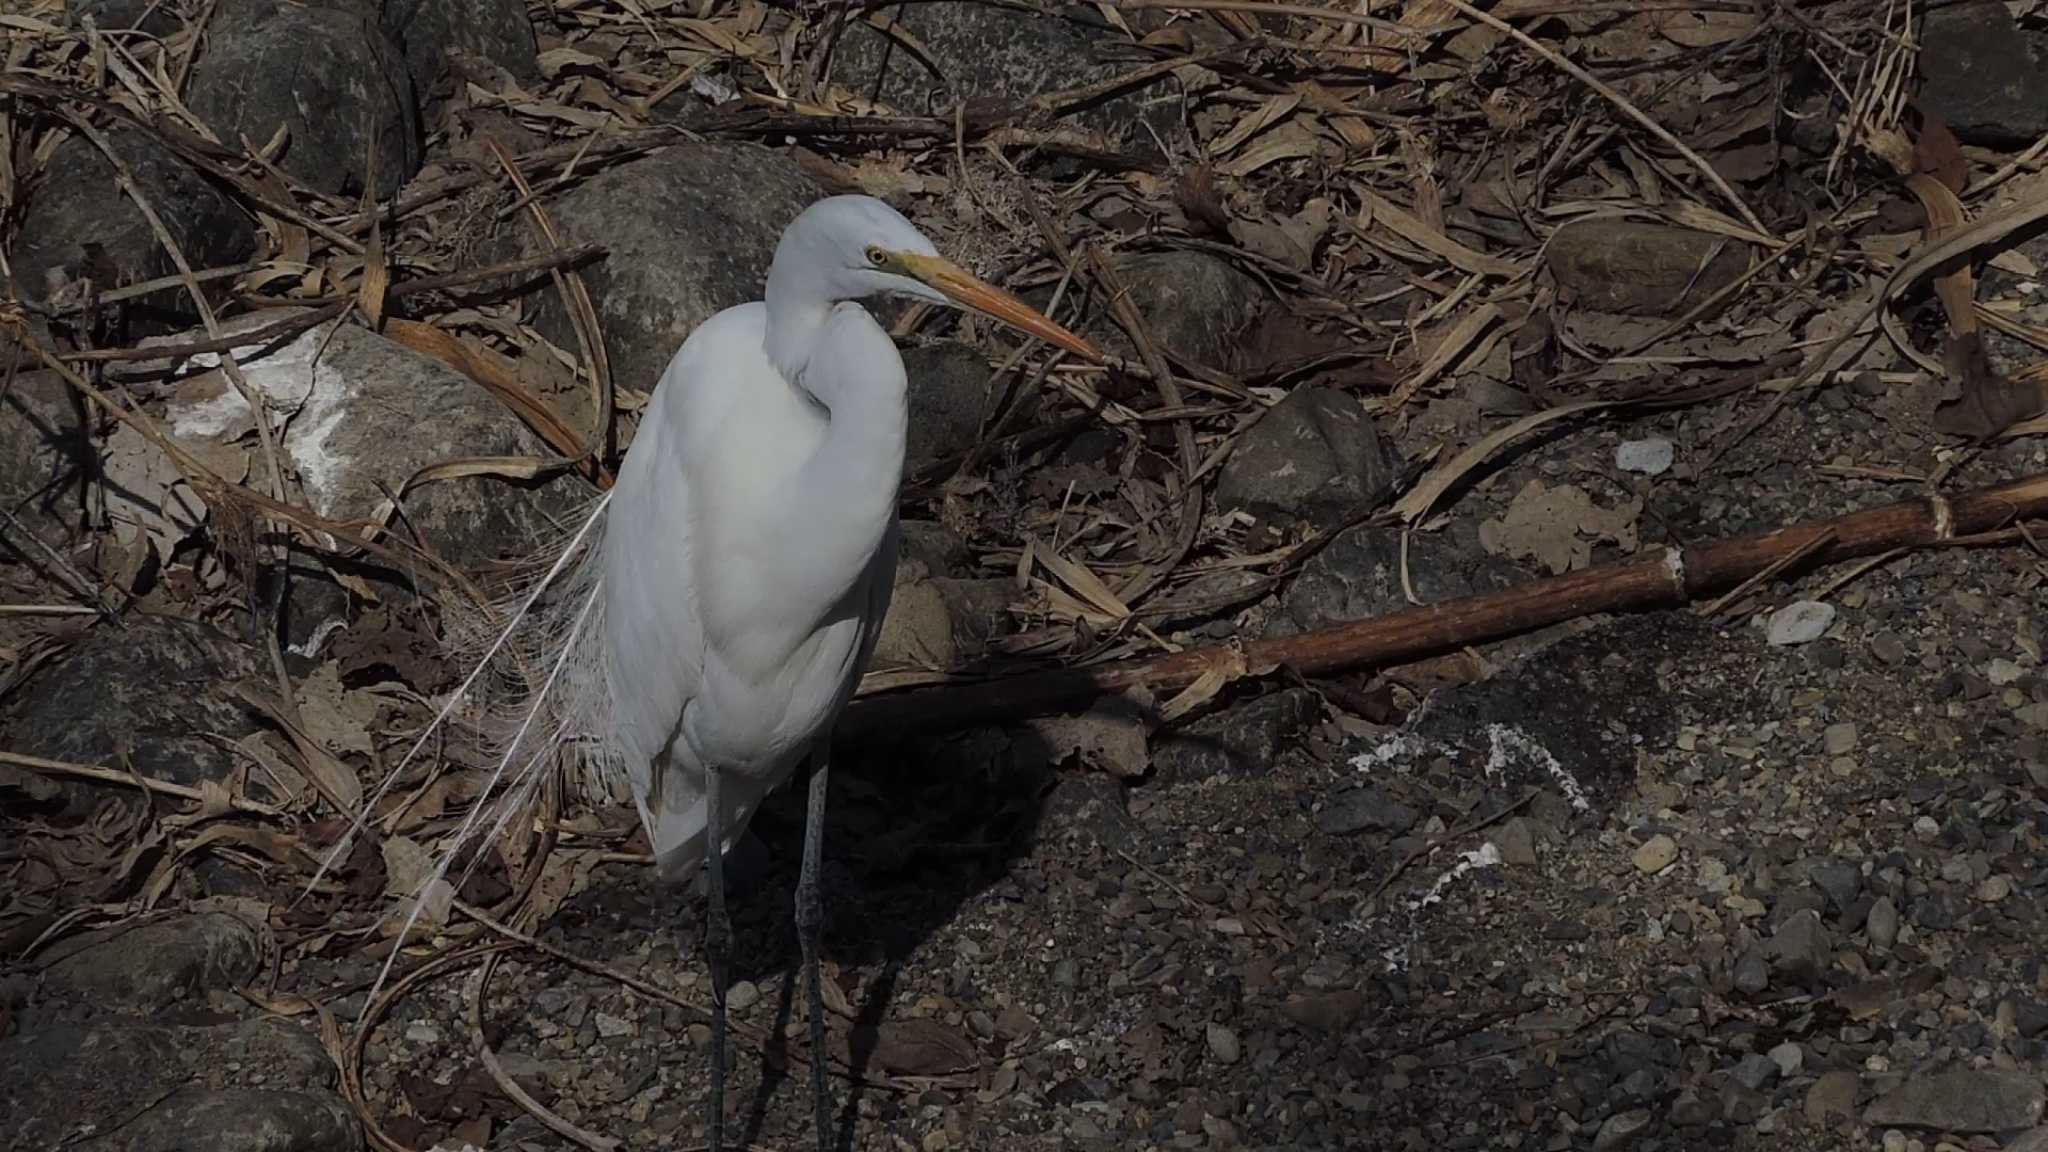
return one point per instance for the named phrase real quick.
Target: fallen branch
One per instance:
(1659, 578)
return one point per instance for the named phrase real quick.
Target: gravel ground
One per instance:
(1655, 883)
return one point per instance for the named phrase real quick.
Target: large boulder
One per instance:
(80, 226)
(689, 231)
(330, 76)
(110, 1083)
(367, 414)
(42, 455)
(1315, 456)
(1984, 75)
(155, 694)
(438, 33)
(996, 54)
(1198, 307)
(148, 965)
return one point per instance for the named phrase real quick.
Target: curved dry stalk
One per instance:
(504, 1081)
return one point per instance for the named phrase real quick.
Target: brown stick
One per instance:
(1662, 578)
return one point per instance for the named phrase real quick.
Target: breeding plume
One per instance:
(699, 633)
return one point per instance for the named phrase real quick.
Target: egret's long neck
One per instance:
(841, 500)
(797, 309)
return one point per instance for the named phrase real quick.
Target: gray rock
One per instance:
(991, 56)
(1359, 809)
(1754, 1071)
(1314, 456)
(1789, 1057)
(437, 32)
(1689, 1110)
(59, 1081)
(1516, 842)
(2035, 1141)
(2031, 1018)
(80, 225)
(1620, 1130)
(1984, 75)
(1223, 1044)
(689, 231)
(149, 965)
(1638, 268)
(239, 1120)
(1800, 950)
(1331, 1013)
(1883, 923)
(1089, 806)
(1244, 737)
(1752, 973)
(949, 397)
(1962, 1100)
(156, 19)
(329, 75)
(1832, 1097)
(1650, 457)
(43, 454)
(371, 413)
(1197, 306)
(1800, 622)
(1839, 879)
(1358, 575)
(155, 691)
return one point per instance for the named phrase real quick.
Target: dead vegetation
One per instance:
(1490, 224)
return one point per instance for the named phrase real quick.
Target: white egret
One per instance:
(724, 596)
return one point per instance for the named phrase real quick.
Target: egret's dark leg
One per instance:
(717, 931)
(810, 922)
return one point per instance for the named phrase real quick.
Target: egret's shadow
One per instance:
(915, 828)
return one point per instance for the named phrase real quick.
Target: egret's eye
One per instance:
(876, 256)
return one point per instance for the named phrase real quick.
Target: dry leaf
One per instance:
(408, 870)
(1109, 737)
(335, 716)
(1272, 112)
(1291, 141)
(1704, 29)
(923, 1047)
(1558, 526)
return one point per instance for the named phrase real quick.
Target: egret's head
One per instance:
(857, 246)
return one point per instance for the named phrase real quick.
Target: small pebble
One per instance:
(741, 996)
(612, 1027)
(1651, 456)
(1656, 854)
(1839, 739)
(1752, 973)
(1223, 1044)
(1620, 1129)
(1883, 922)
(1888, 648)
(2003, 672)
(1789, 1057)
(1994, 889)
(1800, 622)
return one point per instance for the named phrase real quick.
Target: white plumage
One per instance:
(741, 606)
(699, 633)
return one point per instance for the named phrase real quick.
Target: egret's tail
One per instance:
(536, 686)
